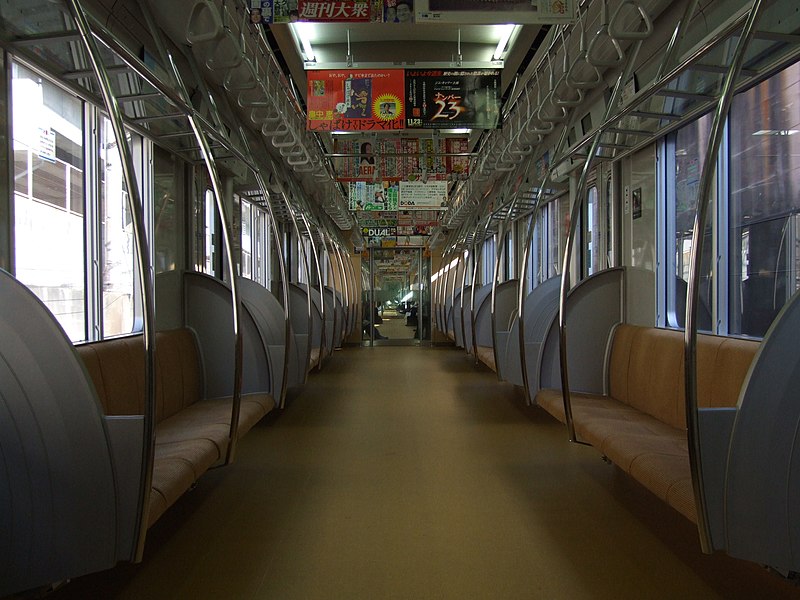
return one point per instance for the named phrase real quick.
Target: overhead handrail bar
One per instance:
(144, 272)
(654, 87)
(693, 286)
(678, 34)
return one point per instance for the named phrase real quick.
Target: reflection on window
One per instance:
(688, 147)
(203, 225)
(508, 257)
(117, 251)
(247, 240)
(489, 254)
(764, 202)
(48, 197)
(594, 260)
(166, 170)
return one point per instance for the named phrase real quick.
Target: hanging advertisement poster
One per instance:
(495, 11)
(416, 222)
(355, 100)
(419, 195)
(273, 11)
(334, 11)
(396, 159)
(446, 98)
(381, 195)
(398, 11)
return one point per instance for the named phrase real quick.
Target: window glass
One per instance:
(508, 256)
(209, 233)
(261, 246)
(247, 240)
(764, 202)
(688, 148)
(487, 261)
(166, 173)
(594, 261)
(48, 197)
(117, 247)
(609, 220)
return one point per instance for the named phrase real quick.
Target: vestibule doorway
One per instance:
(396, 302)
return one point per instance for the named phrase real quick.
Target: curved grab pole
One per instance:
(307, 270)
(574, 219)
(222, 209)
(344, 279)
(287, 315)
(327, 253)
(506, 229)
(693, 286)
(145, 273)
(318, 268)
(338, 276)
(227, 241)
(526, 251)
(471, 254)
(478, 266)
(439, 287)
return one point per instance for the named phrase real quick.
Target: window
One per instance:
(48, 197)
(592, 236)
(74, 241)
(686, 150)
(508, 255)
(764, 213)
(247, 241)
(488, 256)
(204, 226)
(118, 271)
(167, 171)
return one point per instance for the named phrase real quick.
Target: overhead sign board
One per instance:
(495, 11)
(419, 195)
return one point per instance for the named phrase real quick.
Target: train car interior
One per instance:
(399, 299)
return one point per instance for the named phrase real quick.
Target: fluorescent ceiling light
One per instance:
(505, 35)
(303, 32)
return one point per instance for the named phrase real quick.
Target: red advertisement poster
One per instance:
(356, 100)
(334, 10)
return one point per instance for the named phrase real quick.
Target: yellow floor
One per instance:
(403, 472)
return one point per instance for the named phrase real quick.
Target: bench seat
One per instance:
(486, 356)
(192, 433)
(640, 426)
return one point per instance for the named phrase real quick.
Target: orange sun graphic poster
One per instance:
(356, 100)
